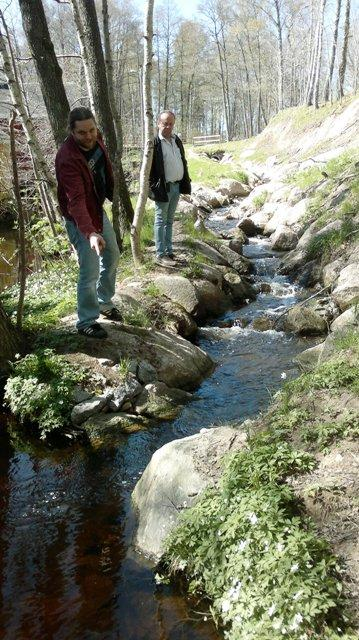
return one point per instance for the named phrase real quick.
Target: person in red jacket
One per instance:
(85, 179)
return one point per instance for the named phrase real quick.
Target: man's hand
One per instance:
(97, 243)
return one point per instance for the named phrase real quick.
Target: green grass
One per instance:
(324, 245)
(306, 178)
(260, 200)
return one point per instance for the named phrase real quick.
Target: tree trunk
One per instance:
(10, 341)
(343, 61)
(328, 83)
(148, 146)
(278, 23)
(94, 61)
(19, 105)
(48, 69)
(21, 225)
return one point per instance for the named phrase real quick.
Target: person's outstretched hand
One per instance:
(97, 243)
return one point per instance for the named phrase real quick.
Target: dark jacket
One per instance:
(158, 189)
(76, 188)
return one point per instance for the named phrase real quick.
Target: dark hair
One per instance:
(79, 113)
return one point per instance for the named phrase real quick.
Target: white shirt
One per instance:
(172, 159)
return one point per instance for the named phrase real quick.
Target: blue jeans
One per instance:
(97, 275)
(164, 215)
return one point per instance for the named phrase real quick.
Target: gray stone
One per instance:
(346, 321)
(105, 362)
(236, 245)
(309, 358)
(212, 197)
(237, 262)
(146, 373)
(212, 300)
(238, 286)
(104, 427)
(304, 320)
(248, 227)
(177, 473)
(179, 290)
(331, 271)
(176, 319)
(233, 188)
(80, 395)
(283, 239)
(157, 400)
(209, 252)
(88, 408)
(127, 390)
(346, 292)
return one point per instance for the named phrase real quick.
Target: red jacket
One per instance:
(76, 188)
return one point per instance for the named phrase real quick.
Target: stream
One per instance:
(68, 570)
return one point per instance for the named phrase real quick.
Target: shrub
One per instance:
(246, 546)
(40, 390)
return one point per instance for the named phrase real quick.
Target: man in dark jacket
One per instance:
(168, 178)
(85, 179)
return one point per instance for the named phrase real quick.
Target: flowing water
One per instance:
(68, 570)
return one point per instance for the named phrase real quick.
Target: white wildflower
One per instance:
(294, 568)
(283, 375)
(297, 620)
(17, 356)
(280, 547)
(205, 618)
(253, 518)
(276, 624)
(271, 610)
(222, 518)
(226, 605)
(219, 533)
(297, 595)
(184, 503)
(242, 545)
(283, 631)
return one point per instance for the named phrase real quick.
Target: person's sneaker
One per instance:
(164, 261)
(171, 256)
(113, 314)
(93, 331)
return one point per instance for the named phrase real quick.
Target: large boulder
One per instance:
(212, 300)
(283, 239)
(238, 286)
(208, 251)
(346, 321)
(212, 197)
(331, 271)
(346, 292)
(187, 208)
(248, 227)
(286, 214)
(176, 319)
(233, 188)
(234, 260)
(177, 473)
(180, 290)
(309, 358)
(87, 408)
(305, 320)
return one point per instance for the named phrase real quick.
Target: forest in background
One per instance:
(227, 71)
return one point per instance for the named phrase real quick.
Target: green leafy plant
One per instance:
(246, 546)
(260, 200)
(137, 317)
(40, 389)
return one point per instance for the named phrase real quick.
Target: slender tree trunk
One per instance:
(84, 55)
(250, 106)
(148, 147)
(21, 224)
(19, 105)
(343, 61)
(10, 341)
(278, 23)
(94, 61)
(312, 93)
(48, 69)
(328, 83)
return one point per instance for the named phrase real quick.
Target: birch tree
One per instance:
(343, 61)
(328, 83)
(148, 146)
(312, 92)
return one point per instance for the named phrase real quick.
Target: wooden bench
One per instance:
(200, 140)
